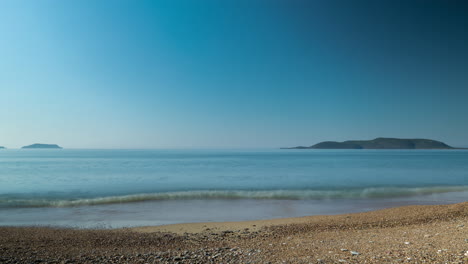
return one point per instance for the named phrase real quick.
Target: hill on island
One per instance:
(42, 146)
(380, 143)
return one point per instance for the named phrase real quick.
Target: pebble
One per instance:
(407, 243)
(354, 253)
(344, 249)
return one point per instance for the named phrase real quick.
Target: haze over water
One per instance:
(93, 188)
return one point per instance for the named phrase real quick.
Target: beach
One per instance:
(233, 206)
(410, 234)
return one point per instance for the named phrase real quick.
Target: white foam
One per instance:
(366, 193)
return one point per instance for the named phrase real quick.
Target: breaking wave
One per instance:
(378, 192)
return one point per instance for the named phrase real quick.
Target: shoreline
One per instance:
(408, 234)
(401, 214)
(149, 213)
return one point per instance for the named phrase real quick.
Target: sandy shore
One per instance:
(411, 234)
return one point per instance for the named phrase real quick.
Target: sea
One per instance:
(82, 188)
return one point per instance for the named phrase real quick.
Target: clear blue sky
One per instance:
(159, 74)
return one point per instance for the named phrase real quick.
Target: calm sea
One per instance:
(115, 188)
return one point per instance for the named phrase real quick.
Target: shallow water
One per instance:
(115, 188)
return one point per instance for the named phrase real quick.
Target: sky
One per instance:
(240, 74)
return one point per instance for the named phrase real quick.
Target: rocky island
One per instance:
(42, 146)
(380, 143)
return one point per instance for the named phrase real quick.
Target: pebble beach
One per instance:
(410, 234)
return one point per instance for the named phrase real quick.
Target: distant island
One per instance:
(42, 146)
(2, 147)
(380, 143)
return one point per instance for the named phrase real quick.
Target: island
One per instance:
(2, 147)
(380, 143)
(42, 146)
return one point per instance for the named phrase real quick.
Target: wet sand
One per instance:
(411, 234)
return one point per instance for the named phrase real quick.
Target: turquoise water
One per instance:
(158, 186)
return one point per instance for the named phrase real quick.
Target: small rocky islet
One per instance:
(42, 146)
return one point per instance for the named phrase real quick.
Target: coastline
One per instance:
(397, 215)
(418, 233)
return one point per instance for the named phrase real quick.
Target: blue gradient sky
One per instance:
(159, 74)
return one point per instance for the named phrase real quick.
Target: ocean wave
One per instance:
(377, 192)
